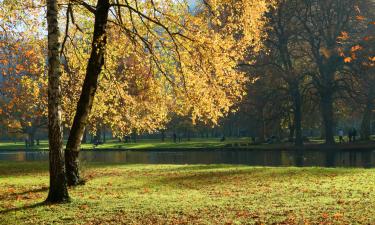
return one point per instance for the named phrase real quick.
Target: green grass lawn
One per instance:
(191, 194)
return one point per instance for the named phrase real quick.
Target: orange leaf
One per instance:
(360, 18)
(344, 36)
(356, 48)
(84, 207)
(337, 215)
(29, 53)
(347, 59)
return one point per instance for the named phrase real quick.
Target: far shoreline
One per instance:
(367, 146)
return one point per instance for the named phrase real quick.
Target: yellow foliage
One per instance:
(162, 57)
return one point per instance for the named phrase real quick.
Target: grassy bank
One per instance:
(140, 144)
(198, 143)
(214, 194)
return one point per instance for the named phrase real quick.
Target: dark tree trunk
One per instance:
(58, 191)
(32, 138)
(104, 134)
(297, 117)
(327, 115)
(163, 135)
(134, 137)
(86, 99)
(327, 69)
(98, 135)
(84, 138)
(292, 130)
(366, 121)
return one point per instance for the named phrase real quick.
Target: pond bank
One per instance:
(361, 146)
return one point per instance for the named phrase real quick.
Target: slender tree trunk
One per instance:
(163, 135)
(297, 100)
(366, 120)
(104, 134)
(58, 191)
(98, 134)
(292, 130)
(90, 85)
(84, 138)
(32, 138)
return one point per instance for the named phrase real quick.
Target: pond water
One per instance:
(364, 159)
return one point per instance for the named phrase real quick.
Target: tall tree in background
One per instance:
(360, 62)
(58, 191)
(324, 22)
(288, 59)
(23, 92)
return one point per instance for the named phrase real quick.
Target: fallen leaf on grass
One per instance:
(337, 215)
(84, 207)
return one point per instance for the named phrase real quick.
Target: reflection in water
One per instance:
(256, 158)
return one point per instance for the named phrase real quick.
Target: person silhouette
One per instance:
(341, 136)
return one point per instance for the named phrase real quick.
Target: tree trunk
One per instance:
(366, 121)
(297, 117)
(104, 134)
(32, 137)
(292, 130)
(84, 138)
(98, 135)
(90, 85)
(326, 104)
(58, 191)
(162, 135)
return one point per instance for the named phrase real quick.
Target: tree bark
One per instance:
(90, 85)
(58, 191)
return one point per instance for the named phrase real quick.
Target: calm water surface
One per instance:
(364, 159)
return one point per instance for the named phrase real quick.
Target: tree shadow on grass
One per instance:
(202, 176)
(23, 168)
(16, 209)
(41, 189)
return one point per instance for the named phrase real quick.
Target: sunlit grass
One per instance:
(191, 194)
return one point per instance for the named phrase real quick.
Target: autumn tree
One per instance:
(189, 59)
(360, 63)
(324, 24)
(23, 87)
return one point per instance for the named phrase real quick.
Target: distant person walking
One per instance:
(354, 133)
(341, 136)
(350, 135)
(174, 137)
